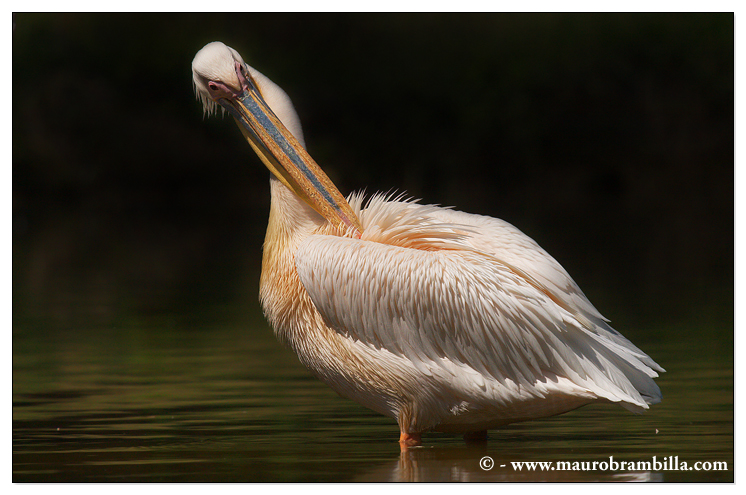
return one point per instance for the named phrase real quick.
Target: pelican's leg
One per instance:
(410, 439)
(476, 436)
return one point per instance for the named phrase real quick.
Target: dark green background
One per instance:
(607, 138)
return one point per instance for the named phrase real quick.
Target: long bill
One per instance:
(286, 158)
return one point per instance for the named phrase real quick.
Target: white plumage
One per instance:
(441, 319)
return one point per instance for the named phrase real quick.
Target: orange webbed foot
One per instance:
(409, 440)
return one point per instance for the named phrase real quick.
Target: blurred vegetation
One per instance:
(607, 138)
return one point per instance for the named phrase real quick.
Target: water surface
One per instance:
(207, 394)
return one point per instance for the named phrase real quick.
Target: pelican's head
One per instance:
(217, 68)
(265, 114)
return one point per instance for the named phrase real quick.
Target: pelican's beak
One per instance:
(286, 158)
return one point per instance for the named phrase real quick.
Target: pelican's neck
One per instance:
(290, 222)
(290, 218)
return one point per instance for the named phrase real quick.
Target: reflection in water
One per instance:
(462, 464)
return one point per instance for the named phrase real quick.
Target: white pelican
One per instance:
(443, 320)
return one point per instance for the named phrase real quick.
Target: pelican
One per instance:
(440, 319)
